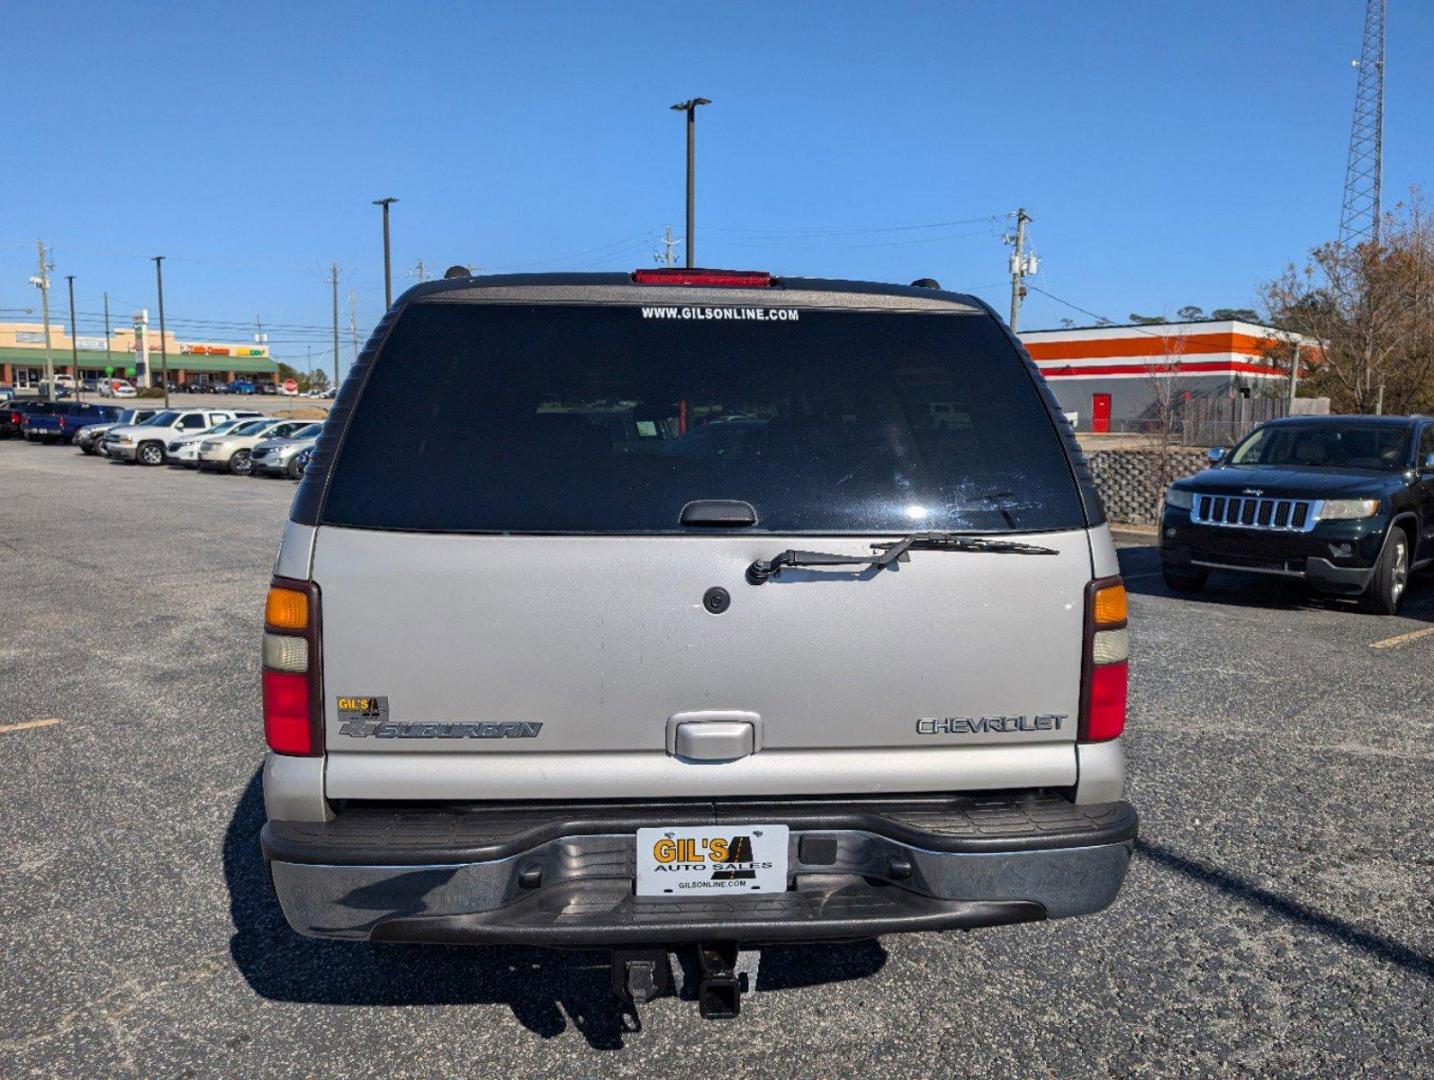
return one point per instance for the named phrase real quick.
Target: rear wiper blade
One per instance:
(961, 542)
(891, 553)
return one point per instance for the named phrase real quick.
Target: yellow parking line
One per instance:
(1389, 643)
(49, 721)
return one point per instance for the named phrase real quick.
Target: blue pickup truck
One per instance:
(59, 421)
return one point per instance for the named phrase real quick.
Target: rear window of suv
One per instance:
(601, 419)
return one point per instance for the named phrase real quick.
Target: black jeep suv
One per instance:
(1345, 503)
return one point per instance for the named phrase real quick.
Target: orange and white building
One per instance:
(1112, 377)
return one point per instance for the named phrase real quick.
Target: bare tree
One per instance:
(1162, 377)
(1371, 308)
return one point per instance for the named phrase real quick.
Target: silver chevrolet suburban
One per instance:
(692, 610)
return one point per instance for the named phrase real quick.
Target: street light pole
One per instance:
(387, 273)
(163, 345)
(74, 343)
(690, 108)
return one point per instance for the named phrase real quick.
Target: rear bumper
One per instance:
(564, 876)
(1321, 573)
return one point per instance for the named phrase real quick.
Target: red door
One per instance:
(1100, 412)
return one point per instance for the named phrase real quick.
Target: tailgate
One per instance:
(517, 667)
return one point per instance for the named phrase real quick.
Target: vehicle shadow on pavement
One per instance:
(547, 989)
(1376, 945)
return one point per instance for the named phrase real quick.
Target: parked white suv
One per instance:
(145, 442)
(231, 451)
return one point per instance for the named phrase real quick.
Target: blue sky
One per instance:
(1169, 153)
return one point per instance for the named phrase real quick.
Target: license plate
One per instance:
(702, 860)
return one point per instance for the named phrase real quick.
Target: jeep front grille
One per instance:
(1248, 512)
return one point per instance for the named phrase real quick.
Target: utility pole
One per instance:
(387, 276)
(163, 345)
(667, 245)
(334, 278)
(108, 365)
(1021, 265)
(261, 339)
(42, 282)
(690, 108)
(74, 341)
(353, 325)
(1294, 376)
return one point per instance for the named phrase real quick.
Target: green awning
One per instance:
(119, 360)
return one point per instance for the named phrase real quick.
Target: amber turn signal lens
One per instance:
(288, 609)
(1110, 607)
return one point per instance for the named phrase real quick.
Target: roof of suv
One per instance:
(622, 288)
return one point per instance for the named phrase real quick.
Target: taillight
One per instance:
(729, 279)
(1105, 668)
(292, 682)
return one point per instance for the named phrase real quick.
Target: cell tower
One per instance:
(1359, 220)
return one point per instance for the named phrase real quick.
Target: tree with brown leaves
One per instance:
(1371, 309)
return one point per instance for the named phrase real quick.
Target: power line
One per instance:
(616, 247)
(823, 232)
(1074, 307)
(797, 245)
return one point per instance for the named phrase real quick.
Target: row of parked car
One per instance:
(122, 388)
(238, 441)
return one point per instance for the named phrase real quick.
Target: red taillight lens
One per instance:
(1105, 714)
(1105, 670)
(292, 677)
(730, 279)
(287, 729)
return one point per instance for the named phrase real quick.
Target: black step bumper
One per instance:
(563, 875)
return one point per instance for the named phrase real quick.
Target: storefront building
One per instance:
(1114, 378)
(133, 353)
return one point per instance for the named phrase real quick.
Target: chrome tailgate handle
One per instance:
(713, 736)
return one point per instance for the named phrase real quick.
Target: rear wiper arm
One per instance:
(890, 553)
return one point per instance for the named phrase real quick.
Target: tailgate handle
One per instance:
(713, 736)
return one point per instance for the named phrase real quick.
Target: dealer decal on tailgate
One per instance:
(367, 717)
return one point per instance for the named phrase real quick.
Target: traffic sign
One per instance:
(291, 386)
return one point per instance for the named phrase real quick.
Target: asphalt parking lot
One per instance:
(1278, 917)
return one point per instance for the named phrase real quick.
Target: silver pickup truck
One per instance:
(692, 610)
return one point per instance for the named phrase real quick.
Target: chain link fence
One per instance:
(1220, 421)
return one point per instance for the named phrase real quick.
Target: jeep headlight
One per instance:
(1178, 499)
(123, 440)
(1348, 509)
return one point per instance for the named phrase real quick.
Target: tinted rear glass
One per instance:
(509, 418)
